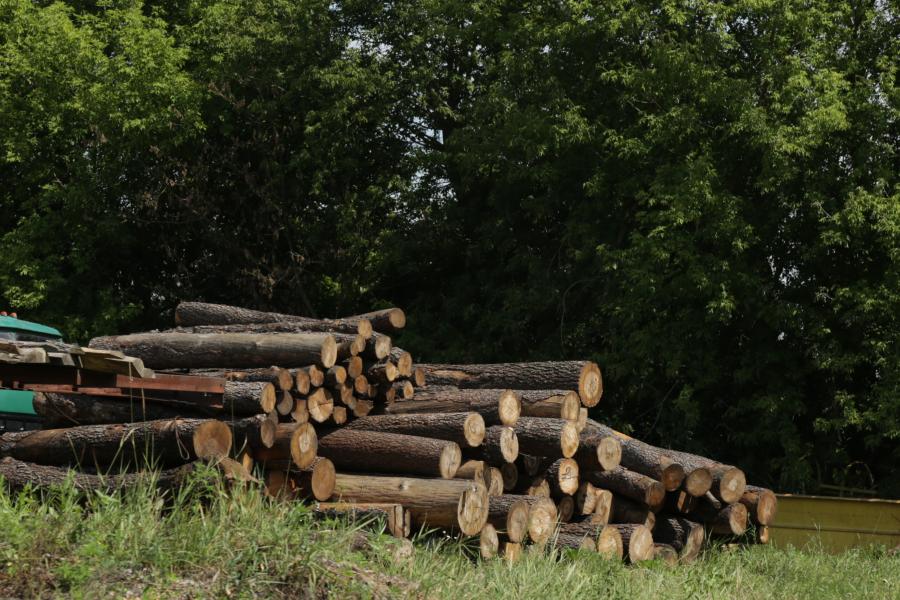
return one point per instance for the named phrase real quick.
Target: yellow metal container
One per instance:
(835, 523)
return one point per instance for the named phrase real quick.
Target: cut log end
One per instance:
(301, 381)
(267, 431)
(510, 475)
(517, 520)
(732, 484)
(364, 328)
(672, 477)
(472, 509)
(655, 496)
(322, 479)
(317, 375)
(329, 352)
(509, 407)
(473, 429)
(590, 385)
(418, 377)
(405, 364)
(609, 453)
(640, 545)
(570, 407)
(509, 445)
(609, 544)
(766, 507)
(565, 474)
(542, 520)
(603, 507)
(268, 398)
(212, 440)
(383, 346)
(488, 542)
(665, 553)
(304, 445)
(737, 518)
(568, 439)
(450, 460)
(698, 482)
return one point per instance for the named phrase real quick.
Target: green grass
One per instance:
(209, 542)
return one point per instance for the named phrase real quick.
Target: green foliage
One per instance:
(208, 542)
(701, 196)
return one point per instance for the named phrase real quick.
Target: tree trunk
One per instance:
(597, 452)
(396, 518)
(730, 519)
(500, 445)
(685, 536)
(295, 441)
(497, 407)
(403, 360)
(192, 314)
(553, 404)
(574, 542)
(761, 504)
(316, 480)
(19, 474)
(609, 543)
(625, 510)
(643, 458)
(69, 410)
(582, 376)
(631, 485)
(563, 477)
(728, 483)
(466, 429)
(510, 514)
(169, 441)
(452, 503)
(637, 542)
(547, 437)
(186, 350)
(565, 506)
(387, 320)
(390, 452)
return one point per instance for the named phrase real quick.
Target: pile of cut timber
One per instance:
(331, 413)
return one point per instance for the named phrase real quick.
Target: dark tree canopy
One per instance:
(703, 197)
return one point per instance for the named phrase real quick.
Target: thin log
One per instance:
(403, 360)
(598, 452)
(631, 485)
(466, 429)
(497, 407)
(574, 542)
(390, 453)
(510, 514)
(565, 507)
(626, 510)
(192, 314)
(186, 350)
(665, 553)
(386, 320)
(554, 404)
(728, 482)
(583, 376)
(547, 437)
(637, 542)
(761, 504)
(642, 458)
(500, 445)
(685, 536)
(609, 543)
(488, 542)
(729, 519)
(68, 410)
(18, 475)
(562, 476)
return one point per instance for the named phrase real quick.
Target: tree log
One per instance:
(554, 404)
(625, 510)
(574, 542)
(186, 350)
(631, 485)
(609, 543)
(169, 441)
(565, 507)
(500, 445)
(403, 360)
(761, 504)
(295, 441)
(488, 542)
(497, 407)
(510, 514)
(728, 483)
(19, 474)
(386, 320)
(547, 437)
(452, 503)
(193, 314)
(582, 376)
(642, 458)
(598, 452)
(466, 429)
(390, 453)
(730, 519)
(637, 542)
(665, 553)
(396, 518)
(685, 536)
(563, 477)
(280, 378)
(68, 410)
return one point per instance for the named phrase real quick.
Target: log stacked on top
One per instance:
(330, 412)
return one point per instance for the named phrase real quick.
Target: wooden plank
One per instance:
(836, 523)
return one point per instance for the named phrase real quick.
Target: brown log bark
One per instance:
(500, 445)
(193, 314)
(396, 519)
(466, 429)
(510, 475)
(554, 404)
(685, 536)
(637, 542)
(565, 507)
(761, 504)
(574, 542)
(390, 453)
(18, 474)
(582, 376)
(452, 503)
(585, 498)
(563, 477)
(643, 458)
(386, 320)
(625, 510)
(403, 360)
(729, 519)
(631, 485)
(547, 437)
(728, 482)
(169, 441)
(510, 514)
(403, 390)
(497, 407)
(69, 410)
(598, 452)
(186, 350)
(295, 441)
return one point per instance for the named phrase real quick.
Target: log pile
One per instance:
(330, 412)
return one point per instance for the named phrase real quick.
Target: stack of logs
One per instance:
(346, 422)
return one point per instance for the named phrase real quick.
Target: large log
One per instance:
(631, 485)
(626, 510)
(192, 314)
(685, 536)
(390, 453)
(643, 458)
(728, 519)
(582, 376)
(510, 514)
(69, 410)
(466, 428)
(497, 407)
(562, 476)
(761, 504)
(169, 441)
(598, 452)
(19, 474)
(453, 503)
(554, 404)
(547, 437)
(728, 482)
(285, 441)
(186, 350)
